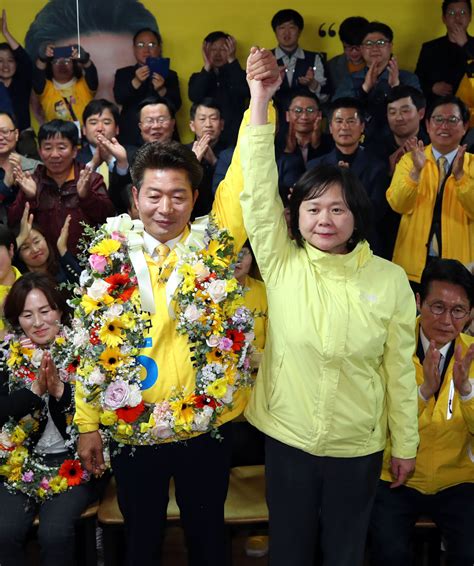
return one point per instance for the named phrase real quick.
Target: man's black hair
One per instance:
(446, 3)
(150, 30)
(288, 15)
(97, 106)
(157, 100)
(305, 94)
(450, 99)
(215, 36)
(7, 237)
(207, 102)
(449, 271)
(378, 27)
(11, 116)
(347, 102)
(59, 128)
(351, 29)
(407, 91)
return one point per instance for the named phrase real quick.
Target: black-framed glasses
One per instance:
(149, 44)
(448, 120)
(456, 312)
(310, 110)
(376, 42)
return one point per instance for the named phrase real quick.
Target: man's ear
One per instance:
(195, 196)
(135, 197)
(418, 301)
(191, 126)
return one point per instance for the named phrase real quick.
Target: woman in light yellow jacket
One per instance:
(337, 373)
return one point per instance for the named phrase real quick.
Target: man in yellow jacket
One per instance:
(442, 485)
(433, 189)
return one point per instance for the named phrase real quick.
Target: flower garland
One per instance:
(109, 327)
(24, 470)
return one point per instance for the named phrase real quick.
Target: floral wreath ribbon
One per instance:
(133, 230)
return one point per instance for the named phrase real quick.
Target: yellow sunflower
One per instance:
(111, 333)
(106, 247)
(183, 410)
(111, 359)
(217, 388)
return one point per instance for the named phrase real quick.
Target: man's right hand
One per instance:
(263, 74)
(89, 449)
(141, 75)
(431, 375)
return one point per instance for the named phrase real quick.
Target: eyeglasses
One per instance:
(456, 312)
(5, 132)
(449, 121)
(298, 110)
(454, 13)
(149, 44)
(376, 43)
(61, 61)
(351, 47)
(161, 120)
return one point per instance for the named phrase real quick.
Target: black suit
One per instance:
(130, 98)
(442, 60)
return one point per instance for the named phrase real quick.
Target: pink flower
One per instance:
(116, 395)
(225, 344)
(118, 236)
(44, 483)
(28, 476)
(98, 262)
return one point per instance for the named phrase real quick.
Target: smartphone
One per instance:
(160, 65)
(64, 52)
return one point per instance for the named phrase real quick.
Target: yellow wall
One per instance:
(184, 23)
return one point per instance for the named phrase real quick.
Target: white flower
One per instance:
(216, 290)
(192, 313)
(96, 377)
(202, 419)
(162, 429)
(121, 223)
(37, 357)
(201, 271)
(5, 440)
(228, 395)
(114, 310)
(213, 341)
(249, 337)
(135, 396)
(80, 338)
(98, 289)
(84, 278)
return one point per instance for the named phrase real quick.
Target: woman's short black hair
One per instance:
(16, 298)
(315, 182)
(449, 271)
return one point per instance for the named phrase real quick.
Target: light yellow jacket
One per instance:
(446, 426)
(337, 366)
(416, 201)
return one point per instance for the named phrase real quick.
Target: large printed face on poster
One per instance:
(106, 28)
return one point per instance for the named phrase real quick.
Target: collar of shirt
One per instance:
(449, 156)
(110, 163)
(443, 351)
(297, 54)
(151, 244)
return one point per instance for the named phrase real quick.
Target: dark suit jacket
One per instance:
(442, 60)
(372, 173)
(130, 99)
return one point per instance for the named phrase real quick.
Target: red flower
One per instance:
(117, 280)
(130, 414)
(27, 373)
(94, 337)
(71, 368)
(125, 295)
(201, 401)
(72, 471)
(238, 339)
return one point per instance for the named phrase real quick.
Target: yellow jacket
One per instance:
(337, 366)
(466, 94)
(169, 351)
(446, 451)
(255, 299)
(54, 107)
(416, 201)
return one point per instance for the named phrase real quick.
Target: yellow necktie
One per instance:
(103, 169)
(162, 252)
(442, 161)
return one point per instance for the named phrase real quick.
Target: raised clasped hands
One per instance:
(263, 74)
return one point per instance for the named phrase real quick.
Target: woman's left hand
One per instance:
(54, 385)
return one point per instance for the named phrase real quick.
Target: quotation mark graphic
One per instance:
(331, 31)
